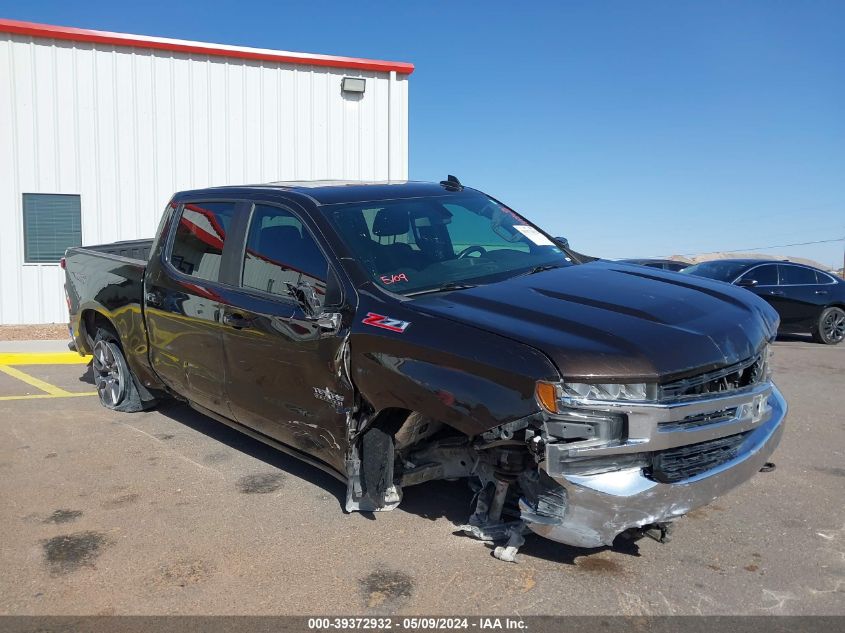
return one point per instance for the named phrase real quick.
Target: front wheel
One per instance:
(115, 385)
(830, 328)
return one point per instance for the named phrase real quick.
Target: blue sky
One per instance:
(632, 128)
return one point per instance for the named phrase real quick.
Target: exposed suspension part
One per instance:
(487, 523)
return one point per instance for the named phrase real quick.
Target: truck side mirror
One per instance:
(306, 296)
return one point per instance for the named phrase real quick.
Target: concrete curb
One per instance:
(39, 346)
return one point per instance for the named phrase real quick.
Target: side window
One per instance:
(198, 243)
(765, 275)
(281, 251)
(822, 278)
(796, 275)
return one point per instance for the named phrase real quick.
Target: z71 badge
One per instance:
(385, 322)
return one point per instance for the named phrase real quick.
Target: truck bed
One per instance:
(108, 280)
(138, 250)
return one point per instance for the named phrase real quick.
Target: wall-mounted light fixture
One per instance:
(353, 84)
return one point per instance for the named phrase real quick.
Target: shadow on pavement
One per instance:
(258, 450)
(795, 338)
(433, 500)
(88, 376)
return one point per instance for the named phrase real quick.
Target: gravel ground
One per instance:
(33, 332)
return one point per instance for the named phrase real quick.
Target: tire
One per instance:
(830, 328)
(114, 380)
(376, 464)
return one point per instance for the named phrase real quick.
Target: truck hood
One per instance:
(605, 320)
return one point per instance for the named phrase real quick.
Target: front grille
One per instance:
(695, 421)
(678, 464)
(746, 373)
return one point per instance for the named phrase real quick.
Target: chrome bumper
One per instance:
(599, 507)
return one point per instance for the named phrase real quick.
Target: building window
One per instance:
(52, 223)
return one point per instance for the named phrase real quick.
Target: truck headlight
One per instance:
(555, 396)
(572, 432)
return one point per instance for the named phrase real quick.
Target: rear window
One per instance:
(824, 278)
(200, 235)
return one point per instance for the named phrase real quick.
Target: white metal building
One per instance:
(97, 130)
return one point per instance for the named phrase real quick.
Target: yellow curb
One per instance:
(43, 358)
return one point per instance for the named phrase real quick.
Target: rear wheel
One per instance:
(830, 328)
(115, 383)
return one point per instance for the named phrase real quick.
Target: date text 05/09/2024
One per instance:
(417, 623)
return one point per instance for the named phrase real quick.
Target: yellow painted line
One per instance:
(42, 396)
(32, 381)
(43, 358)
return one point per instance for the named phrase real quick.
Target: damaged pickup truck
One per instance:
(397, 333)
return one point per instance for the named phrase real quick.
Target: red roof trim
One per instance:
(202, 48)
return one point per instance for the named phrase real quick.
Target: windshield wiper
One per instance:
(541, 268)
(449, 285)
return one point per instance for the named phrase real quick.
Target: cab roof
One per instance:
(326, 192)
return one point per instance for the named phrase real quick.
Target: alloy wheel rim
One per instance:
(108, 374)
(834, 326)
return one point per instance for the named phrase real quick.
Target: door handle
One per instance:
(822, 292)
(236, 321)
(777, 293)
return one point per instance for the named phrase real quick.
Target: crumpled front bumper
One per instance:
(598, 507)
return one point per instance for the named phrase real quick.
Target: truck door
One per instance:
(182, 300)
(284, 365)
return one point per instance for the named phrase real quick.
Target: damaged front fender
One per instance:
(467, 378)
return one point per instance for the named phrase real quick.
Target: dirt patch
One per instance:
(599, 565)
(122, 500)
(182, 573)
(51, 331)
(70, 552)
(165, 436)
(384, 585)
(751, 568)
(261, 483)
(216, 458)
(836, 472)
(63, 516)
(704, 511)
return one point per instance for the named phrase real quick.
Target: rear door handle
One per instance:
(822, 292)
(778, 293)
(237, 321)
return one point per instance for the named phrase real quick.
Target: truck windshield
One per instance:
(425, 244)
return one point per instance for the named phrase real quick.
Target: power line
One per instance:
(762, 248)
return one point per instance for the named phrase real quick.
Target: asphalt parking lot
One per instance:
(169, 512)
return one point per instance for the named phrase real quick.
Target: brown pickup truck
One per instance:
(398, 333)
